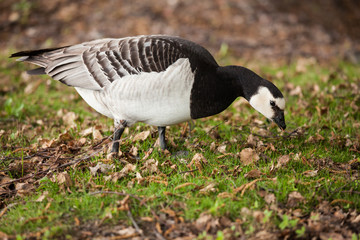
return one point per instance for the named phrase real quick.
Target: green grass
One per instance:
(326, 140)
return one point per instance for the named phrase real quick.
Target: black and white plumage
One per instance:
(159, 80)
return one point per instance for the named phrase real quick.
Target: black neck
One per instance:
(214, 92)
(245, 82)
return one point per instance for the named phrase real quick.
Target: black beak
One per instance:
(279, 119)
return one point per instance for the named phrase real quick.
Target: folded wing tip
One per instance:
(36, 71)
(22, 59)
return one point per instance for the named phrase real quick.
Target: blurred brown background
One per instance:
(253, 29)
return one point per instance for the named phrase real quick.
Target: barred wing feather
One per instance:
(95, 64)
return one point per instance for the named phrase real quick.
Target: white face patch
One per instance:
(280, 102)
(261, 102)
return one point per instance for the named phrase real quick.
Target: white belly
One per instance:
(158, 99)
(94, 100)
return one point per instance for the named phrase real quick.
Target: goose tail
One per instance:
(37, 57)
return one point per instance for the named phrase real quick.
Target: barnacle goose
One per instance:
(159, 80)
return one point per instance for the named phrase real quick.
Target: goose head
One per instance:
(269, 104)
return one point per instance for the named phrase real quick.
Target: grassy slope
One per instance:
(321, 166)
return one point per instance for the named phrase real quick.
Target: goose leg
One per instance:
(119, 129)
(162, 137)
(191, 126)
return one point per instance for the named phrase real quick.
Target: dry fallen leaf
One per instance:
(142, 136)
(127, 232)
(246, 186)
(147, 219)
(270, 198)
(264, 235)
(296, 92)
(134, 151)
(255, 173)
(147, 154)
(97, 134)
(77, 221)
(24, 188)
(81, 141)
(202, 221)
(348, 143)
(208, 188)
(314, 139)
(138, 176)
(294, 199)
(69, 119)
(324, 207)
(258, 215)
(252, 140)
(46, 143)
(42, 197)
(87, 132)
(4, 179)
(339, 214)
(245, 211)
(260, 131)
(169, 212)
(356, 219)
(198, 160)
(222, 149)
(212, 146)
(310, 173)
(101, 168)
(183, 185)
(64, 178)
(94, 131)
(64, 137)
(225, 195)
(282, 161)
(248, 156)
(128, 168)
(150, 166)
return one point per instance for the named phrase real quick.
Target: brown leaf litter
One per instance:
(198, 161)
(248, 156)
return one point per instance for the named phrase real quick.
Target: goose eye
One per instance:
(272, 103)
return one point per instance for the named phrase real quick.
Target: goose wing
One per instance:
(95, 64)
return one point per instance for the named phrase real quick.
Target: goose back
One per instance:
(95, 64)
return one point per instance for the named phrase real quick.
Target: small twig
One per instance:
(189, 171)
(291, 133)
(134, 223)
(278, 136)
(17, 158)
(263, 136)
(159, 236)
(338, 190)
(217, 125)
